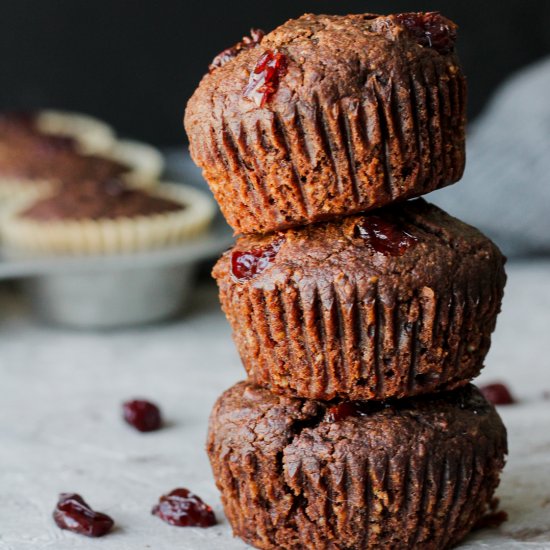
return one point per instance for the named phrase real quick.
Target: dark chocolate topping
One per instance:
(94, 200)
(28, 153)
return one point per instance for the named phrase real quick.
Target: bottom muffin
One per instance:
(298, 474)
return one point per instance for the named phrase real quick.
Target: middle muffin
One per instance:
(392, 304)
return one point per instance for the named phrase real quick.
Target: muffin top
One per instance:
(246, 413)
(318, 58)
(406, 245)
(98, 199)
(27, 153)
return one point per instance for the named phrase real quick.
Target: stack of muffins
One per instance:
(357, 427)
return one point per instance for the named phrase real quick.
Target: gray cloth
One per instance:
(505, 191)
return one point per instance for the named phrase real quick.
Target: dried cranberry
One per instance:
(249, 263)
(384, 236)
(74, 514)
(184, 509)
(256, 36)
(142, 415)
(492, 520)
(430, 29)
(497, 394)
(264, 79)
(346, 409)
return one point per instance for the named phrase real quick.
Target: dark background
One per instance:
(135, 63)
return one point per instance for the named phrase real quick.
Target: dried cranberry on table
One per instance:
(493, 518)
(430, 30)
(264, 79)
(74, 514)
(497, 394)
(256, 36)
(248, 263)
(183, 508)
(142, 415)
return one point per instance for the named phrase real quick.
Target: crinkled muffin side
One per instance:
(395, 303)
(294, 474)
(330, 115)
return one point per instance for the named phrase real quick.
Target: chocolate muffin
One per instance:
(27, 153)
(89, 134)
(96, 200)
(395, 303)
(330, 115)
(415, 473)
(97, 216)
(38, 152)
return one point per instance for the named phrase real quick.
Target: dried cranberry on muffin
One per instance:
(39, 151)
(106, 216)
(394, 303)
(414, 473)
(330, 115)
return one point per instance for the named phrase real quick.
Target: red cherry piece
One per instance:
(264, 79)
(497, 394)
(256, 36)
(182, 508)
(346, 409)
(430, 29)
(247, 264)
(142, 415)
(384, 236)
(74, 514)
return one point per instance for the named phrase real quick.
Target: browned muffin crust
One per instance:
(28, 154)
(338, 310)
(363, 113)
(417, 473)
(94, 200)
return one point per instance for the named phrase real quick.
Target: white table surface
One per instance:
(60, 426)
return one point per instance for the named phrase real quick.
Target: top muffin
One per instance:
(330, 115)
